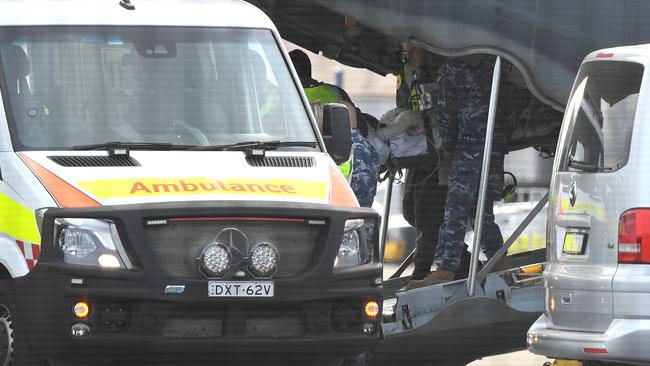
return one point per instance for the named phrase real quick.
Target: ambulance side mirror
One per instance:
(336, 132)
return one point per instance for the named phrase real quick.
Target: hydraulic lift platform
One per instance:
(432, 323)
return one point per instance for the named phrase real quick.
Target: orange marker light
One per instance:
(371, 309)
(81, 309)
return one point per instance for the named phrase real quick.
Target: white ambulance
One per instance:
(165, 192)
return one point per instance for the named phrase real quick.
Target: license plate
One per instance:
(574, 243)
(240, 289)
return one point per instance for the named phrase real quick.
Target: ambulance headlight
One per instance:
(354, 249)
(90, 242)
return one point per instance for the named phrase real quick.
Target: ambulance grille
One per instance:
(178, 243)
(94, 161)
(282, 161)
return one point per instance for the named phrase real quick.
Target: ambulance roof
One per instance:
(199, 13)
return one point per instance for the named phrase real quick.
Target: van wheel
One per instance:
(14, 349)
(6, 337)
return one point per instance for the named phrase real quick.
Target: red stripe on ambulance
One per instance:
(31, 252)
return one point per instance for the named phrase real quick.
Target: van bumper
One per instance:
(129, 321)
(316, 314)
(625, 340)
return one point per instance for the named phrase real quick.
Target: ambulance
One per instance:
(165, 192)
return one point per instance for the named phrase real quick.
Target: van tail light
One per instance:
(595, 350)
(634, 236)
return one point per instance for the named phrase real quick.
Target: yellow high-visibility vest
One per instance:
(323, 93)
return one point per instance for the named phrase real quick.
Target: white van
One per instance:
(597, 280)
(165, 192)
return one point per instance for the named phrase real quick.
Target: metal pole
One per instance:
(402, 267)
(515, 234)
(384, 218)
(485, 172)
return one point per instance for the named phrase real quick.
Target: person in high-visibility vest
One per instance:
(268, 98)
(319, 92)
(362, 169)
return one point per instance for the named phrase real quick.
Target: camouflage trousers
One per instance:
(460, 207)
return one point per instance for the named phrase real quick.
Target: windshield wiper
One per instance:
(587, 167)
(132, 146)
(265, 145)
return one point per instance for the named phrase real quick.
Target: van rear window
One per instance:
(600, 116)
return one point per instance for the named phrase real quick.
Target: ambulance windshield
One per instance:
(69, 86)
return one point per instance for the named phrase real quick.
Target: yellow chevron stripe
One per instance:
(18, 221)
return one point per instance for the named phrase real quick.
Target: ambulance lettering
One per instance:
(123, 188)
(183, 186)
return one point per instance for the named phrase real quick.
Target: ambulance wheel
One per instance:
(14, 348)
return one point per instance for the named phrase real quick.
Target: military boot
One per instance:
(421, 272)
(440, 275)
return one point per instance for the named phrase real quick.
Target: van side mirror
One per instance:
(336, 132)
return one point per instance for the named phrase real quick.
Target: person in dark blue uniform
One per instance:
(462, 110)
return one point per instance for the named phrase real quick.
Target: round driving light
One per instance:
(263, 261)
(215, 259)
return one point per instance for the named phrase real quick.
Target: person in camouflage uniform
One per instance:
(365, 167)
(462, 110)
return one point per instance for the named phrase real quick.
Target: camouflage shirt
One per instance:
(463, 102)
(365, 170)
